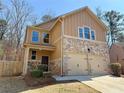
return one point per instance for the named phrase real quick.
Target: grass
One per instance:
(63, 87)
(18, 85)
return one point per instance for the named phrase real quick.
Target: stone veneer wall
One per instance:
(55, 66)
(80, 46)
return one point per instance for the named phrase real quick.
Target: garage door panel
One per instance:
(98, 66)
(77, 65)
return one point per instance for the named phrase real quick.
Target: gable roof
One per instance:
(49, 24)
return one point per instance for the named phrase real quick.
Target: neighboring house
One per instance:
(71, 44)
(117, 54)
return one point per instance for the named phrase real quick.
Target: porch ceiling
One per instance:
(41, 47)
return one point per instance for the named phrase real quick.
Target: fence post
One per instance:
(25, 65)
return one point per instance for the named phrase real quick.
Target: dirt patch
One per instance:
(18, 85)
(12, 85)
(63, 87)
(33, 82)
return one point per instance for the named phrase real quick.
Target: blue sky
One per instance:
(58, 7)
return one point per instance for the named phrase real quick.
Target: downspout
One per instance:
(88, 64)
(62, 35)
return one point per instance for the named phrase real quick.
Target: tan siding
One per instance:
(47, 25)
(83, 18)
(39, 54)
(56, 40)
(29, 35)
(56, 55)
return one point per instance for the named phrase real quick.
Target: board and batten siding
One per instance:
(55, 63)
(29, 35)
(56, 40)
(81, 19)
(39, 54)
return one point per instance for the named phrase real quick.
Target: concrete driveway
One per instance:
(105, 84)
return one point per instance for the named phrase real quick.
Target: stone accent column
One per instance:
(25, 65)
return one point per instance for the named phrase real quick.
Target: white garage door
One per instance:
(77, 65)
(98, 65)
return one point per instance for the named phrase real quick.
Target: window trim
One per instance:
(94, 34)
(79, 32)
(32, 37)
(89, 32)
(43, 38)
(35, 55)
(84, 33)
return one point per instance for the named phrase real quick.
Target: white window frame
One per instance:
(84, 32)
(32, 36)
(32, 55)
(43, 38)
(79, 32)
(94, 34)
(89, 32)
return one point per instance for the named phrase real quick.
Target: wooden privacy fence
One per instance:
(10, 68)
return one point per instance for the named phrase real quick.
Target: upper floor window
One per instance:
(80, 32)
(33, 56)
(92, 35)
(35, 36)
(45, 38)
(87, 32)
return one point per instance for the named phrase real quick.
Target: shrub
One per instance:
(36, 73)
(42, 67)
(116, 69)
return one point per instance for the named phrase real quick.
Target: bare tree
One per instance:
(0, 5)
(99, 12)
(34, 20)
(115, 22)
(3, 28)
(120, 37)
(47, 16)
(3, 22)
(17, 16)
(20, 14)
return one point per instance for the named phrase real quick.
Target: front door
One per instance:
(45, 60)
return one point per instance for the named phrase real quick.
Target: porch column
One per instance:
(25, 65)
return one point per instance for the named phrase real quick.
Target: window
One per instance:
(80, 32)
(92, 35)
(87, 32)
(45, 38)
(33, 57)
(35, 37)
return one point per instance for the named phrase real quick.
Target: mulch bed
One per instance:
(30, 81)
(33, 82)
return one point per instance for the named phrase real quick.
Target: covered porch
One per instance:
(37, 55)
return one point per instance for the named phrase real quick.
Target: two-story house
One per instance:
(70, 44)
